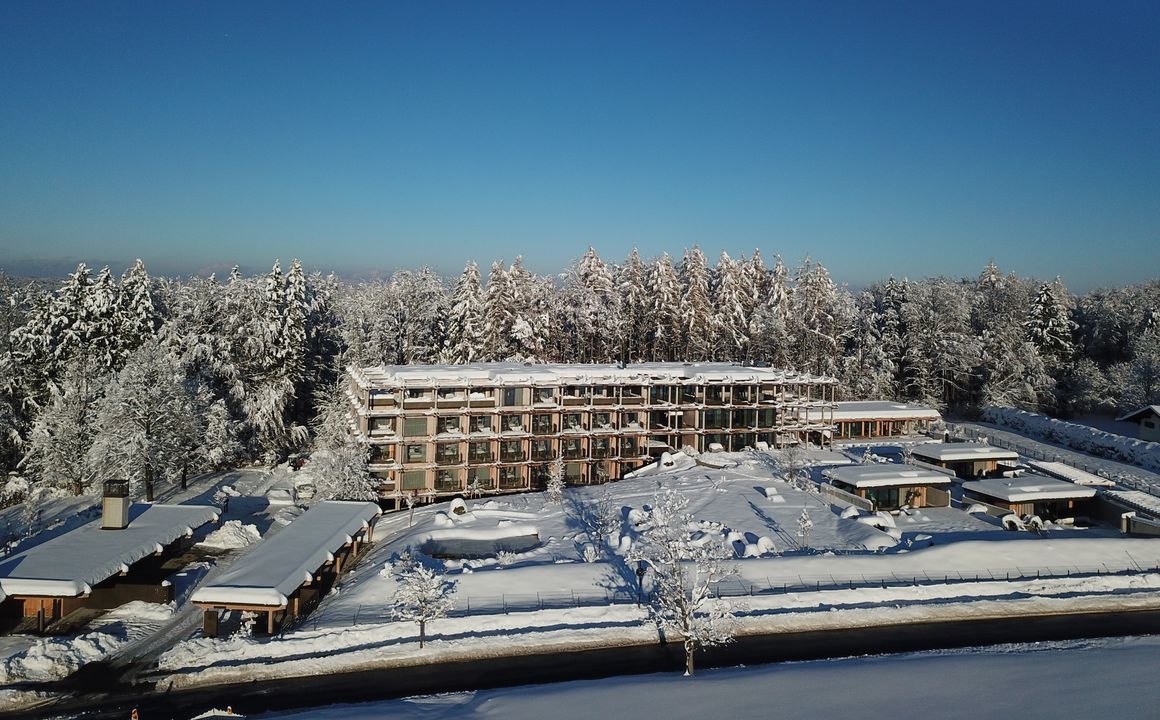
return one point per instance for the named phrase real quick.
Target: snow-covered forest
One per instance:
(158, 378)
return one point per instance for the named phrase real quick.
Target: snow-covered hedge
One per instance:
(1078, 437)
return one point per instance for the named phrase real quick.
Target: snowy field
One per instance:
(1104, 678)
(555, 580)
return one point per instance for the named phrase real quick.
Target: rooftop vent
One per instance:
(115, 505)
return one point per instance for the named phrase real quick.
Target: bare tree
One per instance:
(422, 594)
(684, 574)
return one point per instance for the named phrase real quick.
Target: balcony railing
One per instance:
(448, 459)
(480, 458)
(513, 456)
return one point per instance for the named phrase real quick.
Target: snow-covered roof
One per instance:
(1137, 415)
(1029, 488)
(69, 565)
(1069, 473)
(395, 376)
(1137, 499)
(273, 570)
(887, 475)
(879, 410)
(953, 452)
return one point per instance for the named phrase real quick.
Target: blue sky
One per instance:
(914, 139)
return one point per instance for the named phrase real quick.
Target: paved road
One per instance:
(113, 701)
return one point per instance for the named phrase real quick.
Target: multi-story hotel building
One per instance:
(442, 430)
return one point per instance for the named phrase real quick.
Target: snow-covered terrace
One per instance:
(275, 569)
(888, 475)
(957, 452)
(69, 565)
(500, 374)
(878, 410)
(1029, 488)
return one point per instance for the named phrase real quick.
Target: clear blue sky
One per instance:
(914, 139)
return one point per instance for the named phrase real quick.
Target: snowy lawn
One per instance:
(549, 596)
(1104, 678)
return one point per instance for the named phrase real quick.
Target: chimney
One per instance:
(115, 505)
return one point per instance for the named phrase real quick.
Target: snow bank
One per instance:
(232, 535)
(1078, 437)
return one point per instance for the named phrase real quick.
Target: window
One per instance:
(414, 426)
(542, 450)
(447, 480)
(545, 395)
(478, 452)
(447, 453)
(448, 425)
(381, 426)
(416, 453)
(481, 423)
(573, 421)
(512, 423)
(512, 396)
(511, 451)
(415, 480)
(602, 420)
(542, 424)
(1149, 424)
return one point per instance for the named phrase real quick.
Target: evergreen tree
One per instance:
(732, 310)
(664, 319)
(1049, 325)
(698, 324)
(465, 328)
(633, 329)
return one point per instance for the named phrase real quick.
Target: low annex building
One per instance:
(967, 460)
(102, 564)
(443, 430)
(1049, 498)
(890, 486)
(289, 572)
(881, 419)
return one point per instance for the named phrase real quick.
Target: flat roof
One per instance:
(69, 565)
(267, 575)
(1069, 473)
(951, 452)
(881, 410)
(498, 374)
(1029, 488)
(887, 475)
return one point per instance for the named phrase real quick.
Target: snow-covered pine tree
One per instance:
(1142, 385)
(683, 575)
(590, 311)
(633, 330)
(697, 316)
(137, 317)
(339, 461)
(1049, 325)
(866, 371)
(61, 437)
(498, 314)
(145, 426)
(421, 595)
(664, 319)
(820, 319)
(465, 328)
(731, 303)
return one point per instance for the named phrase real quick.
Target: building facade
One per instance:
(443, 430)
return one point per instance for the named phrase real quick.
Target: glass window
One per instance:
(416, 453)
(414, 426)
(415, 480)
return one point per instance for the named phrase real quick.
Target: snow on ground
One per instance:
(1104, 678)
(534, 591)
(52, 658)
(233, 534)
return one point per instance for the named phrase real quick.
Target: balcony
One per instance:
(448, 459)
(480, 458)
(574, 454)
(601, 453)
(513, 457)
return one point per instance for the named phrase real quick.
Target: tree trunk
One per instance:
(148, 483)
(689, 648)
(422, 632)
(184, 475)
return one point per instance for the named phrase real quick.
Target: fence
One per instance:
(741, 587)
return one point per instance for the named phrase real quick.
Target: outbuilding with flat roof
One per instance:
(290, 571)
(1049, 498)
(97, 565)
(968, 460)
(878, 419)
(890, 486)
